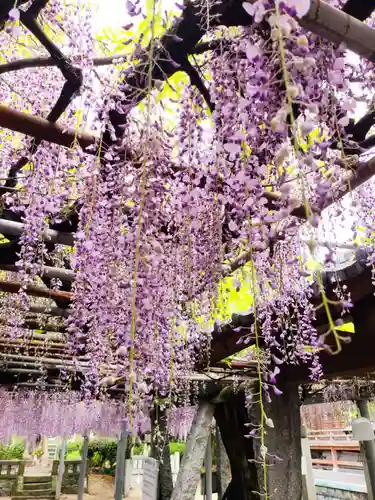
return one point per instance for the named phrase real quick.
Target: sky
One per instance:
(113, 13)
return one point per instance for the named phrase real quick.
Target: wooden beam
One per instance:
(77, 362)
(47, 271)
(356, 357)
(45, 62)
(226, 338)
(42, 129)
(50, 311)
(35, 291)
(47, 337)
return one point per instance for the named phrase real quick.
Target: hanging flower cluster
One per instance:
(165, 210)
(35, 413)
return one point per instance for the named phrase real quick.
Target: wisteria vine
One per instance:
(163, 210)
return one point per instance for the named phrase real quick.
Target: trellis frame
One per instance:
(321, 19)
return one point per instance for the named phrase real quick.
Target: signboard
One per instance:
(362, 429)
(150, 479)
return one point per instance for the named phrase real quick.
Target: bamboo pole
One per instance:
(50, 311)
(55, 361)
(13, 228)
(34, 344)
(42, 337)
(35, 324)
(338, 27)
(47, 271)
(8, 366)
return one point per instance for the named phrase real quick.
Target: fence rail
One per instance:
(339, 449)
(330, 434)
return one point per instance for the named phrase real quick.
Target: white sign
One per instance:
(150, 479)
(362, 429)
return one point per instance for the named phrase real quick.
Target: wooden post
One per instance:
(208, 468)
(60, 472)
(368, 451)
(335, 466)
(120, 465)
(190, 470)
(307, 468)
(83, 468)
(222, 466)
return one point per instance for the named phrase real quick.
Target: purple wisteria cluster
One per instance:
(165, 209)
(32, 413)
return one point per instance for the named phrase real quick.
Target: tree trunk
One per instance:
(196, 446)
(160, 451)
(222, 466)
(231, 417)
(283, 441)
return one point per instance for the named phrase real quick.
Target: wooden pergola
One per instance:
(43, 352)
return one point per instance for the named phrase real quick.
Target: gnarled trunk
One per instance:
(161, 452)
(231, 417)
(222, 466)
(283, 442)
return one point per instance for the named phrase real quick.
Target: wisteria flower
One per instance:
(252, 51)
(301, 7)
(14, 14)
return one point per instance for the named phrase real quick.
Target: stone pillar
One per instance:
(19, 481)
(120, 465)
